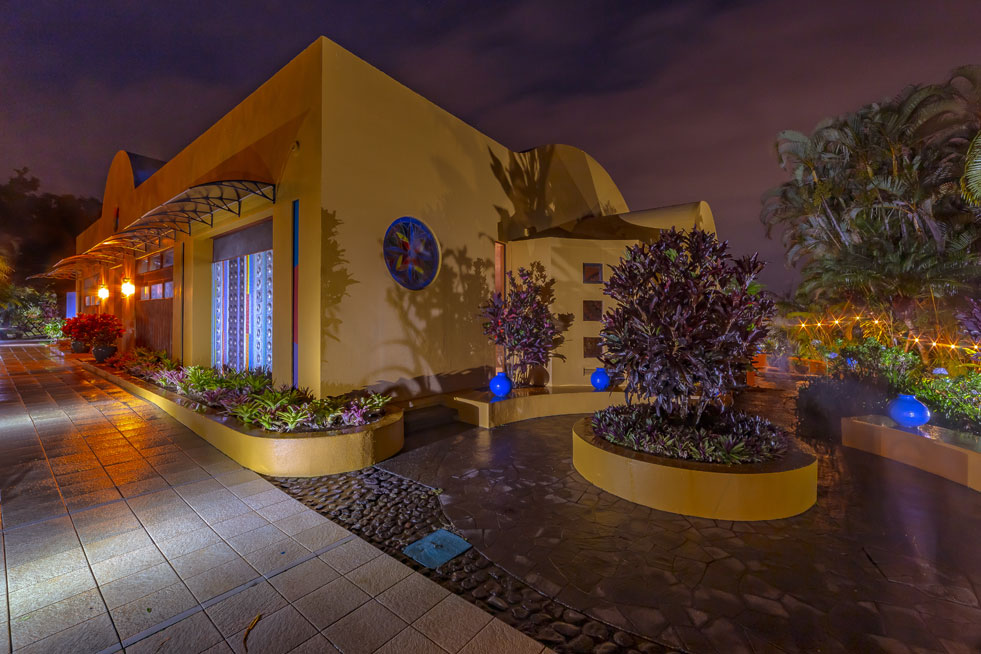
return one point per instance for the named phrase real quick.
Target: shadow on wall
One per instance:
(525, 182)
(335, 278)
(452, 300)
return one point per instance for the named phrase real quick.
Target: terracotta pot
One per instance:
(103, 352)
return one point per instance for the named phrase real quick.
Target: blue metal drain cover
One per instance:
(436, 549)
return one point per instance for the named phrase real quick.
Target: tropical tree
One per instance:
(872, 215)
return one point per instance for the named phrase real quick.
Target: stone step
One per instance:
(423, 418)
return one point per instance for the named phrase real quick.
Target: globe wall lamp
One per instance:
(127, 287)
(103, 292)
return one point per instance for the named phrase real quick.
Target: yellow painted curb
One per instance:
(301, 454)
(758, 491)
(958, 464)
(481, 408)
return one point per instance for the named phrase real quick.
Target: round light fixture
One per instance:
(127, 288)
(103, 292)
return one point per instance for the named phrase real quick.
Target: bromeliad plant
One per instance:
(688, 319)
(250, 396)
(522, 323)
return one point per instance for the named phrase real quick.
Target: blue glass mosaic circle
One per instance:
(411, 253)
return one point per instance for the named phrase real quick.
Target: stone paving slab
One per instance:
(124, 531)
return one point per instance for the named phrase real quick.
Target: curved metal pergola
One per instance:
(158, 227)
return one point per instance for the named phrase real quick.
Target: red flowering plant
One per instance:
(522, 322)
(93, 329)
(74, 327)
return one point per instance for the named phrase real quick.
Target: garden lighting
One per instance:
(103, 292)
(127, 288)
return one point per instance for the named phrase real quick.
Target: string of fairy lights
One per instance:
(931, 341)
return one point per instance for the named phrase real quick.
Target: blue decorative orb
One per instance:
(500, 385)
(909, 412)
(600, 379)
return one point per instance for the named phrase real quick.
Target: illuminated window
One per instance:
(168, 289)
(157, 292)
(145, 293)
(242, 307)
(592, 273)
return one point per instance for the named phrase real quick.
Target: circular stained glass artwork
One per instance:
(411, 253)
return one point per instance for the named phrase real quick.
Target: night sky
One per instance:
(680, 101)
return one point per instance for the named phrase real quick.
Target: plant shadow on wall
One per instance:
(335, 278)
(525, 182)
(461, 285)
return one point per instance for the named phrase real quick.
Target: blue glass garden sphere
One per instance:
(500, 385)
(600, 379)
(909, 412)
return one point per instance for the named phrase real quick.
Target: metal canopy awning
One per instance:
(158, 227)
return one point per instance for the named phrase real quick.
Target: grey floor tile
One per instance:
(365, 629)
(193, 634)
(235, 613)
(275, 633)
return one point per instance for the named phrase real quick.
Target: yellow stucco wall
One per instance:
(388, 152)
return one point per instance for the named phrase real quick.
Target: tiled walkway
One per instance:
(124, 531)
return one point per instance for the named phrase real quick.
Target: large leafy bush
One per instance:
(521, 321)
(688, 319)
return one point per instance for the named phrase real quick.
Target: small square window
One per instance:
(592, 310)
(156, 292)
(141, 266)
(154, 262)
(592, 273)
(145, 293)
(168, 289)
(167, 259)
(591, 347)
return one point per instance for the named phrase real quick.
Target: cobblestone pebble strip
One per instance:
(390, 512)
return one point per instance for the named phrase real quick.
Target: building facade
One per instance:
(341, 230)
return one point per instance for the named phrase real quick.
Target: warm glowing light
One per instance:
(837, 321)
(127, 288)
(103, 292)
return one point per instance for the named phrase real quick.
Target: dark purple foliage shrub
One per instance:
(689, 318)
(720, 437)
(522, 322)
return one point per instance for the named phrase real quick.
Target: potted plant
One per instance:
(103, 330)
(74, 330)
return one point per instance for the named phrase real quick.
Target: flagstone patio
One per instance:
(124, 531)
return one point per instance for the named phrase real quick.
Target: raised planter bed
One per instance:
(296, 454)
(758, 491)
(949, 454)
(483, 409)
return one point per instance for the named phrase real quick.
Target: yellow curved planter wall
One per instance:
(695, 489)
(290, 455)
(484, 410)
